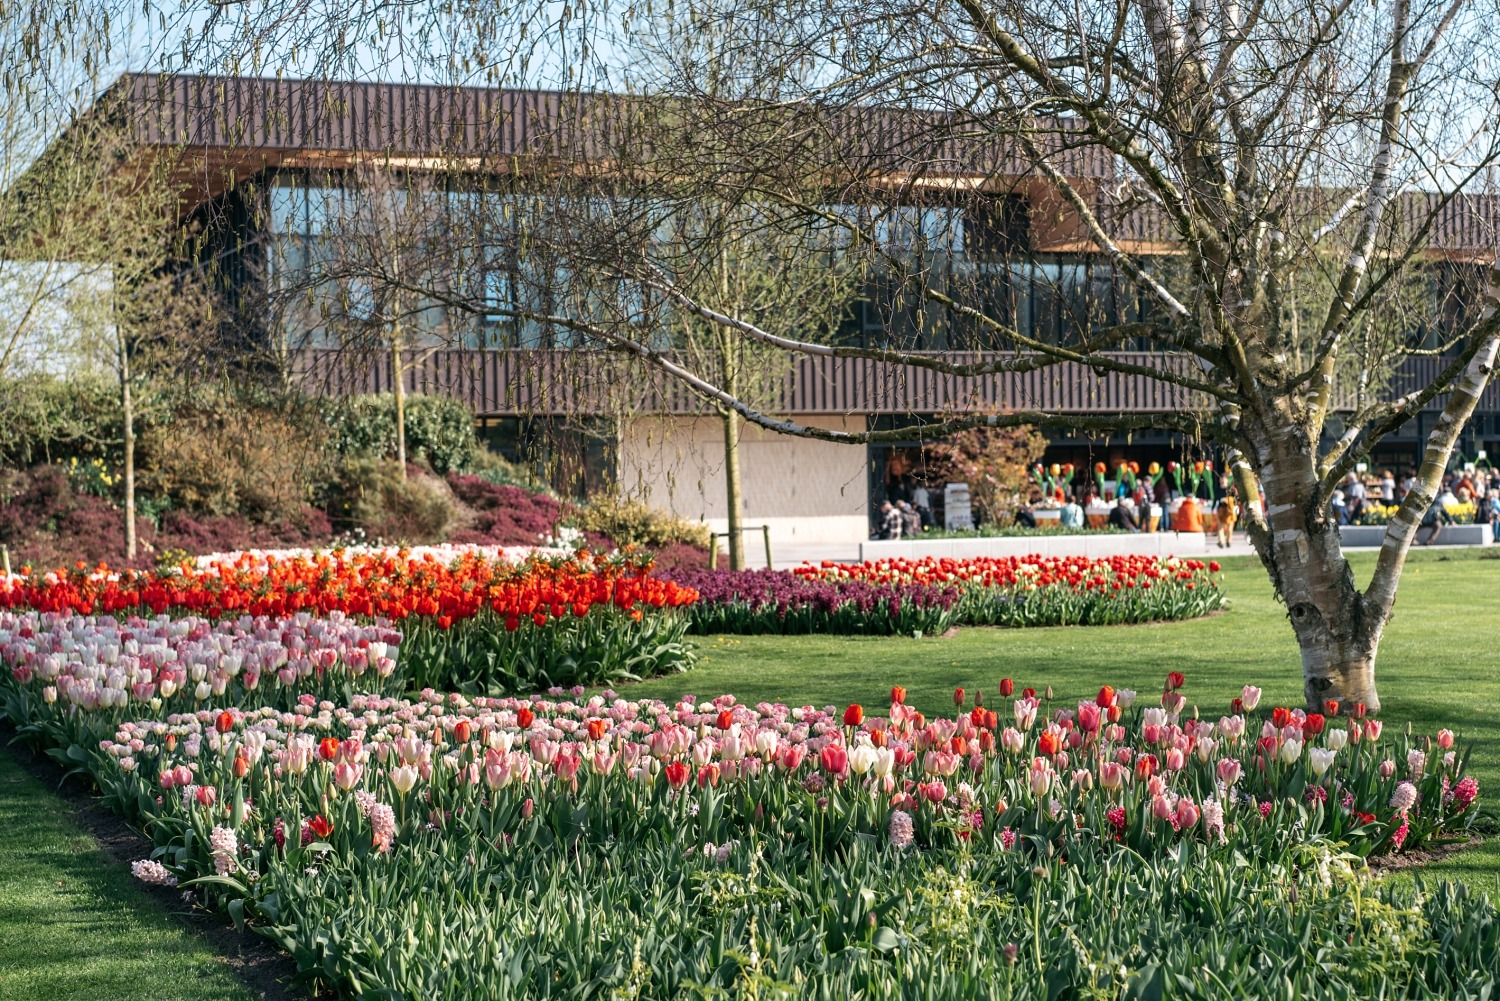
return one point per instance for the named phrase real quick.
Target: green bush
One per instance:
(44, 419)
(495, 468)
(439, 431)
(633, 523)
(371, 496)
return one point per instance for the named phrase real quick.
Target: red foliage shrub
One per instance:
(503, 515)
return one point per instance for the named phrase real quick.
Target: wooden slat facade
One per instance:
(559, 382)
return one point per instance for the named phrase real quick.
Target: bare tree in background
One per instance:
(1232, 164)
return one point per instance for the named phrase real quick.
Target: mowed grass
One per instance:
(1439, 663)
(74, 924)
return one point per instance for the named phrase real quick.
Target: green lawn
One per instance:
(1438, 662)
(74, 924)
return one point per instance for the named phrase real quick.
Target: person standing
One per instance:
(911, 521)
(921, 500)
(1387, 488)
(1354, 496)
(1226, 514)
(891, 522)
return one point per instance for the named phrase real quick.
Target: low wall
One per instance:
(1362, 536)
(1091, 546)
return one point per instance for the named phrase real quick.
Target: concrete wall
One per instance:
(1357, 536)
(1090, 546)
(809, 492)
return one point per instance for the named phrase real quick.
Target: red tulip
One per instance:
(677, 774)
(1047, 743)
(462, 731)
(1007, 686)
(1331, 707)
(854, 715)
(524, 718)
(241, 766)
(834, 759)
(1280, 717)
(1314, 724)
(958, 696)
(225, 722)
(726, 719)
(328, 748)
(898, 695)
(1175, 680)
(320, 827)
(597, 728)
(1105, 698)
(1029, 693)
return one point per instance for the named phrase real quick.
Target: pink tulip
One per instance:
(1373, 728)
(1387, 768)
(1187, 814)
(346, 775)
(1112, 774)
(1445, 739)
(1229, 771)
(1176, 760)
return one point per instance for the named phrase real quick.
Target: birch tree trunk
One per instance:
(127, 414)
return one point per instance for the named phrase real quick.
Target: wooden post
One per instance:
(766, 531)
(713, 551)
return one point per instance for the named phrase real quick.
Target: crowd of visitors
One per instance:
(1466, 496)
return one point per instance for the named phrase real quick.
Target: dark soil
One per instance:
(263, 968)
(1397, 861)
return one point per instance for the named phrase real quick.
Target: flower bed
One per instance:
(1052, 591)
(445, 553)
(780, 601)
(640, 848)
(906, 597)
(471, 623)
(72, 672)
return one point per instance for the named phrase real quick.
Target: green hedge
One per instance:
(439, 431)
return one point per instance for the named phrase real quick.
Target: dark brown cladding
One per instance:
(561, 382)
(243, 114)
(1464, 226)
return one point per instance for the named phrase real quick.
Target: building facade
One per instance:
(266, 171)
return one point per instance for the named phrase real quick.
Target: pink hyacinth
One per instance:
(1404, 798)
(382, 825)
(153, 873)
(900, 830)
